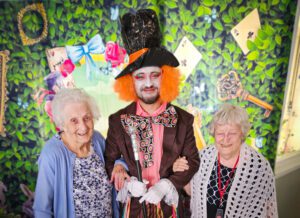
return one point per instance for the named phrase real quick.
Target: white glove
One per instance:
(137, 188)
(157, 192)
(132, 188)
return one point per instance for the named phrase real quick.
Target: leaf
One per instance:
(208, 3)
(79, 10)
(18, 156)
(242, 9)
(278, 39)
(278, 21)
(27, 165)
(114, 37)
(8, 164)
(226, 18)
(263, 7)
(59, 12)
(275, 2)
(2, 154)
(26, 18)
(52, 31)
(251, 45)
(170, 4)
(236, 65)
(18, 54)
(35, 56)
(199, 41)
(67, 3)
(270, 72)
(69, 16)
(19, 135)
(169, 38)
(269, 30)
(19, 164)
(202, 10)
(266, 44)
(217, 24)
(230, 46)
(262, 35)
(226, 56)
(253, 55)
(32, 137)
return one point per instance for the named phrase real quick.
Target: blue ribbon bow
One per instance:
(94, 46)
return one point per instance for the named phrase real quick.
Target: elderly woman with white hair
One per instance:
(233, 179)
(72, 181)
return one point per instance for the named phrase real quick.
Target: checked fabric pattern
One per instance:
(144, 132)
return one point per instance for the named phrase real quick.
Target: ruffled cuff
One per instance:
(171, 197)
(123, 194)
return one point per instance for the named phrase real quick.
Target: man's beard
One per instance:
(149, 100)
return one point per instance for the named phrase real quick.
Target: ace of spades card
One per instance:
(188, 56)
(246, 30)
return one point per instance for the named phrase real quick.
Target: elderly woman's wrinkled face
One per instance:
(78, 124)
(228, 138)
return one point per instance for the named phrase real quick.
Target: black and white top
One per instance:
(91, 188)
(213, 195)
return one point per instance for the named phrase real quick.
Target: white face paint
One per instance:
(147, 81)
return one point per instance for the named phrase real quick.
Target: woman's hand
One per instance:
(118, 176)
(180, 165)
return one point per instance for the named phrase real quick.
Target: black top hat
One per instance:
(141, 30)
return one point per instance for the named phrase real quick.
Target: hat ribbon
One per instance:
(137, 54)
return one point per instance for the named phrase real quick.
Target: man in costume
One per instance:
(164, 132)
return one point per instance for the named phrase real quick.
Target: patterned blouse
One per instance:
(213, 195)
(91, 188)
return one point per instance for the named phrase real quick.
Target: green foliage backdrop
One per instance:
(206, 23)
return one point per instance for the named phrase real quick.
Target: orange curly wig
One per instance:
(169, 89)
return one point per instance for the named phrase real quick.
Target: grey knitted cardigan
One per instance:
(252, 193)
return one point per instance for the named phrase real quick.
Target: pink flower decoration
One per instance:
(115, 54)
(67, 68)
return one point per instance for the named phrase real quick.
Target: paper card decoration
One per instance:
(108, 59)
(56, 57)
(246, 30)
(4, 58)
(188, 56)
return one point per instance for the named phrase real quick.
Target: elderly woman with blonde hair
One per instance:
(72, 180)
(233, 179)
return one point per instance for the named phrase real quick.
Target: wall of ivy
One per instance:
(206, 23)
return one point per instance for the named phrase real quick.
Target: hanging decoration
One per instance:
(38, 7)
(4, 58)
(229, 87)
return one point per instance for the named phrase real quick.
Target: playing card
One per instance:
(56, 57)
(246, 30)
(188, 56)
